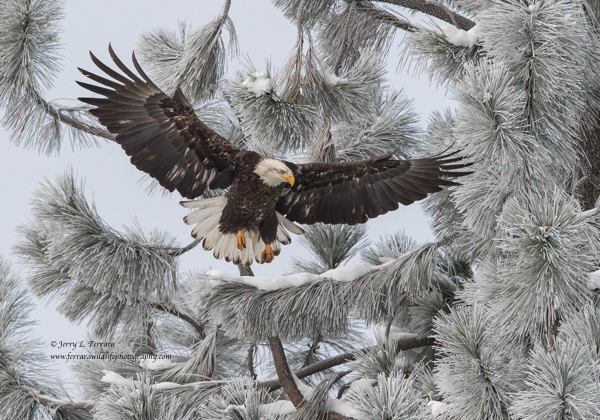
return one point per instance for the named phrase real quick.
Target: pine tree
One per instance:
(498, 318)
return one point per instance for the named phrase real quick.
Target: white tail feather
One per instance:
(276, 247)
(204, 203)
(283, 235)
(248, 253)
(212, 238)
(200, 215)
(291, 226)
(220, 247)
(230, 247)
(258, 250)
(204, 227)
(206, 217)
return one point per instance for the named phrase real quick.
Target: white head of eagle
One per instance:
(274, 172)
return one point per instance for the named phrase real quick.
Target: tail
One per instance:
(206, 218)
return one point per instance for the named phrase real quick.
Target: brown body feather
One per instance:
(251, 203)
(166, 140)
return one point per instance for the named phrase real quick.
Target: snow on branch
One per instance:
(461, 38)
(304, 305)
(342, 274)
(441, 52)
(268, 120)
(293, 307)
(257, 83)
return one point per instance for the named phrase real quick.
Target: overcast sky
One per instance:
(112, 183)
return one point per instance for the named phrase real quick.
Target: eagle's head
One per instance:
(274, 172)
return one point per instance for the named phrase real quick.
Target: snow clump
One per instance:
(259, 85)
(459, 37)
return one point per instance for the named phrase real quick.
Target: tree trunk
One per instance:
(589, 190)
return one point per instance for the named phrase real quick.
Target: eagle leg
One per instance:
(240, 241)
(267, 255)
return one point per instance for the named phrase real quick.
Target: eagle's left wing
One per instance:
(354, 192)
(162, 134)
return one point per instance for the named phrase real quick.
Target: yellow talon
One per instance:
(241, 241)
(267, 255)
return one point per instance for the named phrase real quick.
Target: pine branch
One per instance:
(175, 251)
(434, 9)
(320, 366)
(251, 350)
(70, 120)
(312, 350)
(245, 270)
(281, 366)
(56, 404)
(286, 380)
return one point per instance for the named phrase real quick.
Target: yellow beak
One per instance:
(289, 178)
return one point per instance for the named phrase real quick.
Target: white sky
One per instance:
(112, 182)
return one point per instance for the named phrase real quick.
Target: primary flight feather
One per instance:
(265, 196)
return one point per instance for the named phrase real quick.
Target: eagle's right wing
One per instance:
(163, 135)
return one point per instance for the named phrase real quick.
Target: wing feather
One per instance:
(162, 135)
(353, 192)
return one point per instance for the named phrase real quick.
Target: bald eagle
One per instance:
(265, 196)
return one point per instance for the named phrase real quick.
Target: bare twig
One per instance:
(388, 326)
(435, 9)
(312, 349)
(69, 120)
(199, 329)
(209, 374)
(58, 404)
(335, 416)
(64, 405)
(175, 251)
(226, 10)
(343, 389)
(404, 344)
(294, 76)
(245, 270)
(251, 350)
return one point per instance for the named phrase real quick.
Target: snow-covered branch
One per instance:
(341, 274)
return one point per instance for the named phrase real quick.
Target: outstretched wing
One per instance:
(354, 192)
(162, 135)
